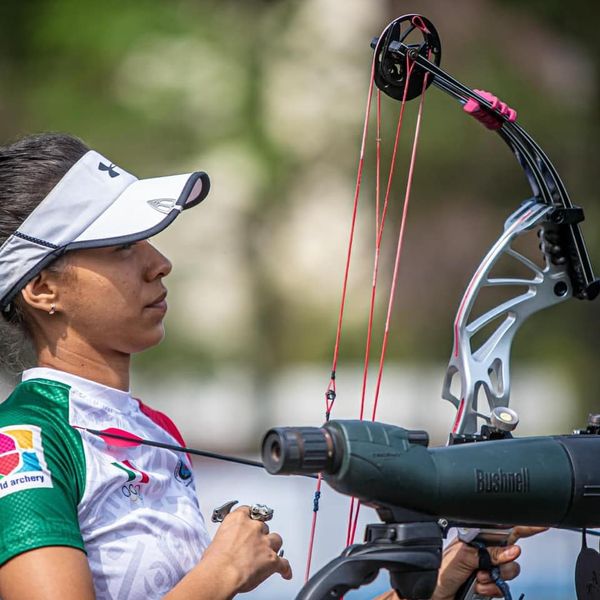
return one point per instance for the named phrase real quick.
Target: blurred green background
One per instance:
(268, 97)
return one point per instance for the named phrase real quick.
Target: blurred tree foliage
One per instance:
(62, 68)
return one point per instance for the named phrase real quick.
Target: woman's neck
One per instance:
(110, 371)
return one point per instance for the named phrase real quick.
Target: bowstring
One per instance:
(330, 394)
(354, 505)
(380, 219)
(396, 271)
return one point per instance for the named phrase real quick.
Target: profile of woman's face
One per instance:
(114, 297)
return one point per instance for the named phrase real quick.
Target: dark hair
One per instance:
(29, 169)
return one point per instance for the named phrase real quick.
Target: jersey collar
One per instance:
(97, 393)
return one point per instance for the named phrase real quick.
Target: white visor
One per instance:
(95, 204)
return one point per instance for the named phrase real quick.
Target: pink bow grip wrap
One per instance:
(483, 115)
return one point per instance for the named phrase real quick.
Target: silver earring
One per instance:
(52, 309)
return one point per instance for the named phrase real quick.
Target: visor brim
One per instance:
(144, 208)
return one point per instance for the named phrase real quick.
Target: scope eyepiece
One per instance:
(299, 450)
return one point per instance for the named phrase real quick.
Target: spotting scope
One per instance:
(548, 481)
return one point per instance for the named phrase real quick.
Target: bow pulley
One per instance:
(394, 52)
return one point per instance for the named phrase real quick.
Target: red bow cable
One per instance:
(380, 219)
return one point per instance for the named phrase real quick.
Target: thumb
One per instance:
(501, 555)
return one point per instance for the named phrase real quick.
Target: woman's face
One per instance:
(114, 298)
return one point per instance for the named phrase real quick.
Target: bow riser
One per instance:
(486, 369)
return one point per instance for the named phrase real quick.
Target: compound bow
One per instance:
(404, 70)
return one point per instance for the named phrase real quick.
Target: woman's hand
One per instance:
(460, 560)
(521, 532)
(241, 556)
(245, 550)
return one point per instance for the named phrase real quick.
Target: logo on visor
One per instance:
(109, 168)
(162, 205)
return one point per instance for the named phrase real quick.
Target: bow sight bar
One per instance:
(549, 481)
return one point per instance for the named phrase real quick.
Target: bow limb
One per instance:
(545, 183)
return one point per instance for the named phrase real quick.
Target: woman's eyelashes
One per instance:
(125, 246)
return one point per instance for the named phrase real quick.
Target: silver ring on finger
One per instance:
(261, 512)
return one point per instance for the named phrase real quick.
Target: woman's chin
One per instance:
(151, 337)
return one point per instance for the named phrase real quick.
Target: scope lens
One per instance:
(298, 450)
(275, 448)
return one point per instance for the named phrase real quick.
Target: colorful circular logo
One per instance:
(9, 456)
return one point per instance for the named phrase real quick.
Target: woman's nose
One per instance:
(158, 264)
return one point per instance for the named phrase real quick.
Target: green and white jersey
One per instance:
(134, 511)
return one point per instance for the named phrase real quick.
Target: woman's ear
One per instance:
(41, 293)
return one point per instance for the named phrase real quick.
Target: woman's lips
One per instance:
(162, 306)
(159, 304)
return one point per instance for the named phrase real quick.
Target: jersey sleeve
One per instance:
(42, 474)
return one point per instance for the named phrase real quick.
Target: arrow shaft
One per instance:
(183, 449)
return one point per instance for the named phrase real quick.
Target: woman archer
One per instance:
(81, 283)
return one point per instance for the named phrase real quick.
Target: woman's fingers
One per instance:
(489, 590)
(522, 532)
(460, 560)
(284, 568)
(503, 554)
(507, 572)
(243, 511)
(504, 558)
(248, 548)
(275, 541)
